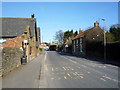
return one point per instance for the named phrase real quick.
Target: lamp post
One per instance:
(104, 39)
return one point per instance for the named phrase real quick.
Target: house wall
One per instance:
(13, 42)
(31, 50)
(0, 62)
(78, 47)
(13, 50)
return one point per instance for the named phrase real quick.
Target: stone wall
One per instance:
(11, 58)
(0, 61)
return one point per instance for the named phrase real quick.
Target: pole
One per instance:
(42, 39)
(104, 40)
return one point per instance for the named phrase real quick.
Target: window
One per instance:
(30, 50)
(81, 48)
(81, 40)
(74, 42)
(74, 47)
(77, 41)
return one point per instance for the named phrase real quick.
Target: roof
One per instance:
(79, 35)
(16, 26)
(87, 31)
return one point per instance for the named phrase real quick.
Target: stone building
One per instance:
(22, 33)
(84, 38)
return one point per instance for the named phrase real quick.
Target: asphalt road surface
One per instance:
(57, 70)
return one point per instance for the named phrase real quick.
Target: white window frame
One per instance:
(74, 45)
(81, 48)
(81, 40)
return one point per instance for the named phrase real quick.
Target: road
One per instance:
(57, 70)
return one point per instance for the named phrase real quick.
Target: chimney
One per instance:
(32, 16)
(80, 31)
(96, 24)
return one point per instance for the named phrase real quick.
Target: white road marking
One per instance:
(96, 70)
(69, 59)
(107, 77)
(102, 66)
(83, 65)
(102, 79)
(111, 78)
(111, 66)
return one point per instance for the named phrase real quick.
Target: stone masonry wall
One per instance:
(11, 58)
(0, 62)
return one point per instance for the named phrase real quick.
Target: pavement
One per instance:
(58, 70)
(26, 76)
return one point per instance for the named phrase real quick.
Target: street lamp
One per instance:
(104, 39)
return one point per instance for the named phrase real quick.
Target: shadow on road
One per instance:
(91, 59)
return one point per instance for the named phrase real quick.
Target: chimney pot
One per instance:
(32, 16)
(80, 31)
(96, 24)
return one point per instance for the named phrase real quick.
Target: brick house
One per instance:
(82, 40)
(22, 33)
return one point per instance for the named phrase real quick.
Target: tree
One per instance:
(68, 34)
(115, 30)
(59, 36)
(110, 37)
(76, 33)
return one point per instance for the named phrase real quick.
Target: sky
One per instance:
(54, 16)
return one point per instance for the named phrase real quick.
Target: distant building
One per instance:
(53, 46)
(80, 42)
(21, 32)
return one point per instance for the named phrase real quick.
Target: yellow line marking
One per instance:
(65, 77)
(102, 79)
(81, 77)
(68, 74)
(64, 68)
(74, 73)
